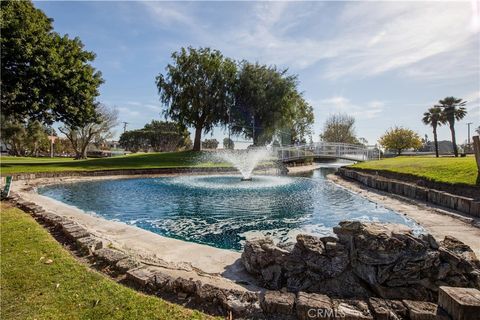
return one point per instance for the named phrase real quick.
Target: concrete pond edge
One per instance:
(209, 293)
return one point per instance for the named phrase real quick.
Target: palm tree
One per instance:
(434, 117)
(453, 109)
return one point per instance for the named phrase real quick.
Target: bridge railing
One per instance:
(327, 150)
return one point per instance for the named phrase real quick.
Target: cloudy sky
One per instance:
(383, 62)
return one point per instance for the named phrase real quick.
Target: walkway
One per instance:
(437, 222)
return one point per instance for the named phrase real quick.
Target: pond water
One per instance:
(222, 211)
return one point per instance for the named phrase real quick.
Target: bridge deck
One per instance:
(327, 150)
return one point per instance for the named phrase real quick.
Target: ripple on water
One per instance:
(221, 210)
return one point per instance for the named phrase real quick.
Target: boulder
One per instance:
(109, 256)
(364, 260)
(142, 276)
(277, 302)
(127, 264)
(313, 306)
(421, 310)
(352, 310)
(387, 309)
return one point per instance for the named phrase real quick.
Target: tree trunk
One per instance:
(454, 141)
(435, 140)
(197, 144)
(399, 152)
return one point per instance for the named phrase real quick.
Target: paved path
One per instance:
(438, 222)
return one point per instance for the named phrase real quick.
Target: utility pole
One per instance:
(124, 126)
(468, 125)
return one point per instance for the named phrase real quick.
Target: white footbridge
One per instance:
(326, 150)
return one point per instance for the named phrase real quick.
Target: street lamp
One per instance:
(468, 141)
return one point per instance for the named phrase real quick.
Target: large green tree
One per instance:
(453, 110)
(197, 89)
(45, 76)
(435, 118)
(267, 102)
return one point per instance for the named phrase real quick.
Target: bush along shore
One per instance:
(368, 271)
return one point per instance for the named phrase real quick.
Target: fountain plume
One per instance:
(245, 161)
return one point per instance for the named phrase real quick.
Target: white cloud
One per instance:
(340, 104)
(427, 40)
(473, 106)
(127, 112)
(412, 35)
(168, 13)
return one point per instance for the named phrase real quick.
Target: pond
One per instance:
(221, 210)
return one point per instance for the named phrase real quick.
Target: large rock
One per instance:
(277, 302)
(313, 306)
(387, 309)
(352, 310)
(364, 260)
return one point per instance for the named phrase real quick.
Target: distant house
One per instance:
(444, 147)
(3, 147)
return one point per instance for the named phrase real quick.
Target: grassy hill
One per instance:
(64, 288)
(448, 170)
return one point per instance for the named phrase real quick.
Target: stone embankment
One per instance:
(370, 271)
(468, 205)
(364, 260)
(118, 172)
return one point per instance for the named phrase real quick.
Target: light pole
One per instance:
(468, 141)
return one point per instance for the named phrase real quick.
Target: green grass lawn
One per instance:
(64, 289)
(135, 161)
(449, 170)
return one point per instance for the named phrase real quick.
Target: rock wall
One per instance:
(468, 205)
(115, 172)
(364, 260)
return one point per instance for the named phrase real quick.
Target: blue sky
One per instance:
(382, 62)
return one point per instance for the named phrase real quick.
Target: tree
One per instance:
(228, 143)
(63, 147)
(434, 117)
(210, 144)
(453, 109)
(24, 139)
(197, 89)
(362, 141)
(166, 136)
(267, 102)
(339, 128)
(399, 139)
(478, 130)
(301, 119)
(45, 76)
(159, 136)
(134, 140)
(81, 137)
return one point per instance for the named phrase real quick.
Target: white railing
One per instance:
(327, 150)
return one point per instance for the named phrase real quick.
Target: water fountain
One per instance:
(245, 161)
